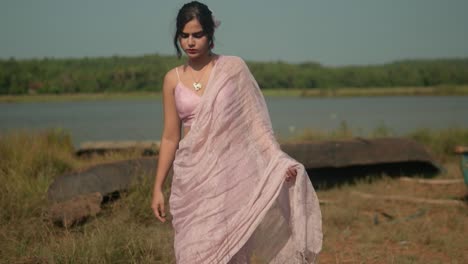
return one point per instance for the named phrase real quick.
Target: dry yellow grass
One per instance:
(361, 230)
(356, 230)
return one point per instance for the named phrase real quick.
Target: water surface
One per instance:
(141, 119)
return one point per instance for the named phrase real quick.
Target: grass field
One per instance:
(356, 230)
(319, 92)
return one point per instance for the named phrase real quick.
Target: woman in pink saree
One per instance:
(235, 196)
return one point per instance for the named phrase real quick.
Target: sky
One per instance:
(330, 32)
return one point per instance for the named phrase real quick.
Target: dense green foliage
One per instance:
(145, 73)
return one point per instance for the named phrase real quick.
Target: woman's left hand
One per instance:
(291, 173)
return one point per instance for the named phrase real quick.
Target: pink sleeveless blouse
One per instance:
(186, 102)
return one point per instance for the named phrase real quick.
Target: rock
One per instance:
(75, 210)
(104, 178)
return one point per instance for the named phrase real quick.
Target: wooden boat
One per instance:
(328, 163)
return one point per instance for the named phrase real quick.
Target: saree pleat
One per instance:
(229, 199)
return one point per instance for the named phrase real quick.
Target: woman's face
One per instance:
(193, 40)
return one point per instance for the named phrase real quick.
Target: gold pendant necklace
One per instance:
(197, 84)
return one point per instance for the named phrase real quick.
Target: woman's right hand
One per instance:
(158, 206)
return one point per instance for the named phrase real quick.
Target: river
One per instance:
(141, 119)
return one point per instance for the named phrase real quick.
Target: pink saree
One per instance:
(229, 199)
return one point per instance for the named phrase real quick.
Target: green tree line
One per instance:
(145, 73)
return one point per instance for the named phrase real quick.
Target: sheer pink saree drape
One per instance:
(229, 199)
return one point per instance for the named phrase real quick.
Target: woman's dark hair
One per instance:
(194, 10)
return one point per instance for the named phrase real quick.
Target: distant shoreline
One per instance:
(319, 92)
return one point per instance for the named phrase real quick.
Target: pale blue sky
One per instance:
(332, 32)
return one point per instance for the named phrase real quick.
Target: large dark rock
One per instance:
(75, 210)
(104, 178)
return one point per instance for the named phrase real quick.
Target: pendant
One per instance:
(197, 86)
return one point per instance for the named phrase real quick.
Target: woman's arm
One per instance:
(169, 143)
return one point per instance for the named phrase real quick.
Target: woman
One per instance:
(235, 195)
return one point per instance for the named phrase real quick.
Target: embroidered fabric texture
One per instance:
(229, 199)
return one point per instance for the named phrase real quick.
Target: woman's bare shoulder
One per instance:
(171, 79)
